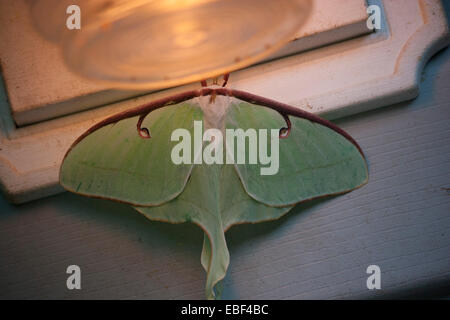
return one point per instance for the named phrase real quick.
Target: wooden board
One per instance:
(330, 22)
(41, 87)
(400, 221)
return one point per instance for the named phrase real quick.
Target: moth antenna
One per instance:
(143, 132)
(285, 131)
(226, 77)
(215, 81)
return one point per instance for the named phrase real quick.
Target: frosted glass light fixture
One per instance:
(152, 44)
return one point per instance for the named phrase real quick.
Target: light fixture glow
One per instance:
(152, 44)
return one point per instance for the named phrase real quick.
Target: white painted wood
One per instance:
(348, 77)
(41, 87)
(400, 221)
(329, 22)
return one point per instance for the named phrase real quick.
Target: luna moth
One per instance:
(128, 158)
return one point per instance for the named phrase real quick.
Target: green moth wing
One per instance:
(314, 160)
(114, 162)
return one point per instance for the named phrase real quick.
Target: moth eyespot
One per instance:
(284, 133)
(144, 133)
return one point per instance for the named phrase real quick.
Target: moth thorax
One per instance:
(214, 111)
